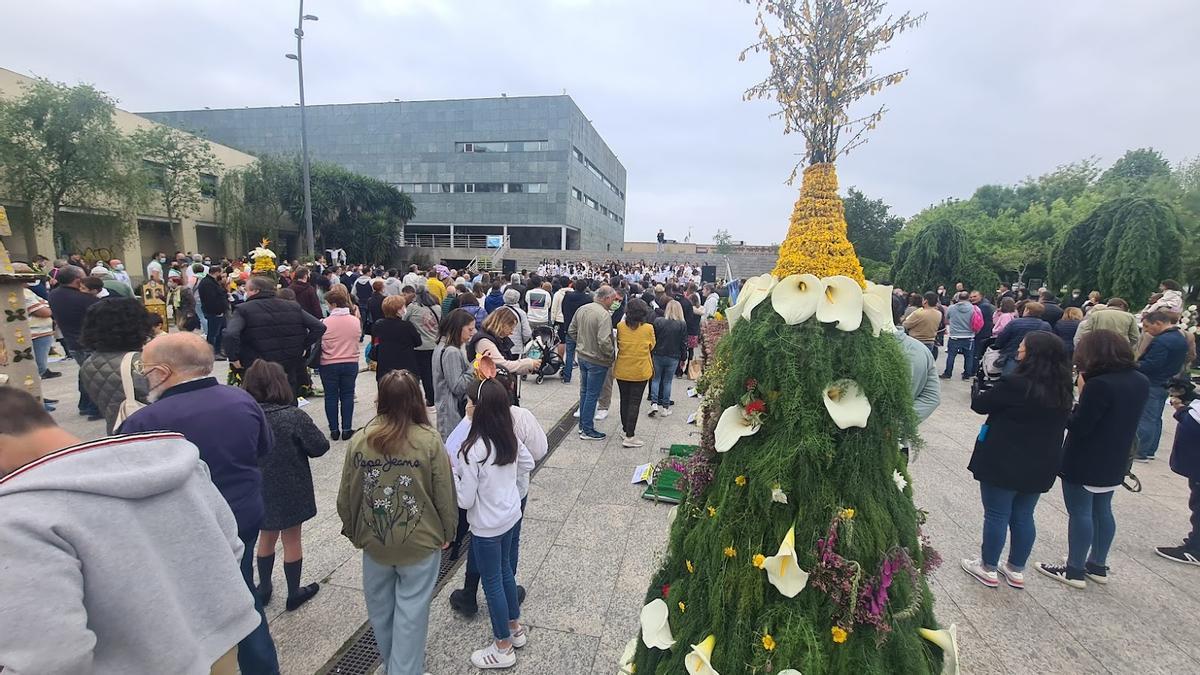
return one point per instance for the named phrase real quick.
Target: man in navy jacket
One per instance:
(1185, 461)
(229, 428)
(1162, 360)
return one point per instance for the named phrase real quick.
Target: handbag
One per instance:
(130, 405)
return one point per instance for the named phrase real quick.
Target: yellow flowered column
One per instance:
(816, 242)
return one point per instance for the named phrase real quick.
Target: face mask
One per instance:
(207, 263)
(120, 268)
(155, 389)
(162, 260)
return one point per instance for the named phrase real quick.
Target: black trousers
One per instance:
(631, 402)
(425, 372)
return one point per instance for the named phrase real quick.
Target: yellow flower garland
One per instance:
(816, 242)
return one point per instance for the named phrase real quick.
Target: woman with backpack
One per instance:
(490, 461)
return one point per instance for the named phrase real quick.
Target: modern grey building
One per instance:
(533, 167)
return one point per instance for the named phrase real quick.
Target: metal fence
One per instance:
(446, 240)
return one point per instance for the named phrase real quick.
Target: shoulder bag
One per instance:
(130, 405)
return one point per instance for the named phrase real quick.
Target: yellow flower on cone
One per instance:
(816, 242)
(730, 552)
(682, 607)
(839, 634)
(768, 642)
(699, 660)
(690, 567)
(740, 481)
(783, 570)
(758, 560)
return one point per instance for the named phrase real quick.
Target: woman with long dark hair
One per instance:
(115, 330)
(1100, 432)
(287, 484)
(425, 313)
(1018, 453)
(452, 372)
(491, 459)
(397, 504)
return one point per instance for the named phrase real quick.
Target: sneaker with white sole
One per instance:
(492, 657)
(1179, 554)
(632, 442)
(983, 575)
(601, 414)
(575, 414)
(592, 435)
(518, 637)
(665, 412)
(653, 409)
(1096, 573)
(1062, 574)
(1014, 578)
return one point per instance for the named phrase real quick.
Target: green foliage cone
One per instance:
(823, 470)
(1124, 248)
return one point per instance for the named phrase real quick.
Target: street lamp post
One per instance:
(298, 57)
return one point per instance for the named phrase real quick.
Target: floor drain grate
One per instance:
(360, 654)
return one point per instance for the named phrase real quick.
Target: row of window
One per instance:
(471, 188)
(503, 146)
(158, 180)
(579, 157)
(596, 206)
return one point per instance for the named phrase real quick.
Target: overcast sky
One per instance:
(997, 90)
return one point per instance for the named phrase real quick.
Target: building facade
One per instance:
(533, 168)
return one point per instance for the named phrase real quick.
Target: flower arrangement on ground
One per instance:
(797, 548)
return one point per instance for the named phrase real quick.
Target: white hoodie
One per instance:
(488, 492)
(119, 556)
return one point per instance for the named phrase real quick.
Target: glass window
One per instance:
(578, 154)
(468, 187)
(590, 202)
(516, 187)
(538, 188)
(208, 185)
(418, 187)
(577, 194)
(488, 187)
(435, 187)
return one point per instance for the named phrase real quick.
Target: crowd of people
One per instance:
(448, 451)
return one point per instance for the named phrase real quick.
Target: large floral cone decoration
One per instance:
(816, 241)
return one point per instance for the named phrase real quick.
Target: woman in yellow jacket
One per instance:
(633, 369)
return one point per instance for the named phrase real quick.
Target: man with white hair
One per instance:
(229, 428)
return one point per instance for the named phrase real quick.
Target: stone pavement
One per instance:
(589, 545)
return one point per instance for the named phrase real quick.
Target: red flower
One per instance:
(755, 407)
(666, 589)
(751, 383)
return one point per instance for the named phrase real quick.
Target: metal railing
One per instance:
(422, 240)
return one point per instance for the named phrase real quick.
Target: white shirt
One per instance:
(528, 430)
(489, 493)
(538, 301)
(412, 279)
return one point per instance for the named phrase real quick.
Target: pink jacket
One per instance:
(340, 342)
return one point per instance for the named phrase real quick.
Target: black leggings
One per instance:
(425, 372)
(631, 402)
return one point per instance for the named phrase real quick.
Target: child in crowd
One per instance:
(490, 462)
(1185, 461)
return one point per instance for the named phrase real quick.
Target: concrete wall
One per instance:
(418, 142)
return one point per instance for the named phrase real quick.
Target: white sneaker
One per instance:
(518, 637)
(984, 576)
(601, 414)
(653, 409)
(492, 657)
(632, 442)
(1014, 578)
(575, 414)
(665, 412)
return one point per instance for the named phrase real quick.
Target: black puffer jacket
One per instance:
(270, 328)
(101, 378)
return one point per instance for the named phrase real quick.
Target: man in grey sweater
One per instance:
(592, 331)
(119, 555)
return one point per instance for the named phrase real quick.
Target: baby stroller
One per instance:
(989, 367)
(544, 346)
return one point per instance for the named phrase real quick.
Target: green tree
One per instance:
(253, 200)
(724, 242)
(940, 253)
(870, 226)
(175, 164)
(1125, 247)
(1136, 167)
(59, 146)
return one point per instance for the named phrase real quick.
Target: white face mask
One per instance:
(156, 390)
(120, 268)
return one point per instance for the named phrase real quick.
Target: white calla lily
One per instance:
(656, 631)
(789, 671)
(879, 313)
(783, 570)
(778, 495)
(699, 660)
(842, 303)
(731, 427)
(626, 663)
(846, 404)
(672, 515)
(797, 297)
(947, 640)
(755, 291)
(732, 314)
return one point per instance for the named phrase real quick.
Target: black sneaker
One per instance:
(1096, 573)
(463, 603)
(51, 374)
(335, 435)
(592, 435)
(520, 594)
(943, 376)
(1063, 574)
(1179, 554)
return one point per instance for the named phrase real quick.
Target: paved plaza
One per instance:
(589, 545)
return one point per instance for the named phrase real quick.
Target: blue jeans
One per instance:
(1149, 429)
(591, 381)
(472, 574)
(398, 598)
(86, 405)
(955, 346)
(660, 382)
(1012, 512)
(568, 361)
(256, 651)
(338, 380)
(494, 557)
(1090, 525)
(41, 352)
(216, 328)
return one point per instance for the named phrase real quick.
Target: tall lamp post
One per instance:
(298, 57)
